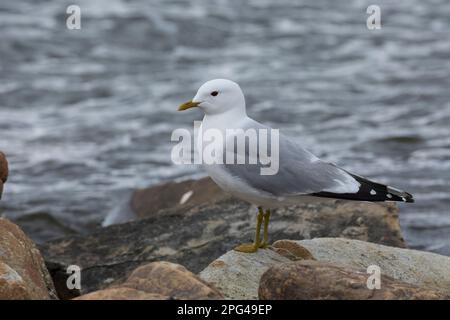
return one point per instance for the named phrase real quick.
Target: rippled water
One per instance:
(86, 115)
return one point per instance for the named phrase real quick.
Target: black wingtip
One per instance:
(408, 197)
(400, 195)
(370, 191)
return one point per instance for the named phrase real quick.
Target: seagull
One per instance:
(301, 176)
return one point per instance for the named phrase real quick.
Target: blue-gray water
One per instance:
(86, 115)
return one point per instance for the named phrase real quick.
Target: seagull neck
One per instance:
(229, 117)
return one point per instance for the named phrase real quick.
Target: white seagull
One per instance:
(301, 176)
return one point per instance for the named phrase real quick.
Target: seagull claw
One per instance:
(263, 245)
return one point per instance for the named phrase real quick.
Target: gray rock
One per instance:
(236, 275)
(374, 222)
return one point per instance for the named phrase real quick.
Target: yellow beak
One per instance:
(188, 105)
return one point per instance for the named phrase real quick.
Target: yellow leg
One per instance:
(253, 247)
(265, 241)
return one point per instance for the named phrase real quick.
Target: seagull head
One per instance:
(216, 97)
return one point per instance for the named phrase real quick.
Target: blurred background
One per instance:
(86, 115)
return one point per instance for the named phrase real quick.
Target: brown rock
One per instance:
(169, 279)
(23, 274)
(175, 196)
(3, 171)
(419, 268)
(12, 286)
(3, 167)
(121, 294)
(292, 250)
(157, 281)
(308, 279)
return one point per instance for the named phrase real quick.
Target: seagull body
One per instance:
(244, 181)
(301, 176)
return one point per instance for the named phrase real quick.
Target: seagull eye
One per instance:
(214, 93)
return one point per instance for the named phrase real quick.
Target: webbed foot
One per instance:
(247, 248)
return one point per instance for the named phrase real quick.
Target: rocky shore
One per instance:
(179, 246)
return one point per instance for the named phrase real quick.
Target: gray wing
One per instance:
(299, 171)
(302, 173)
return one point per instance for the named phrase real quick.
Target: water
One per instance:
(86, 116)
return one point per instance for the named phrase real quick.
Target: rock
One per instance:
(23, 274)
(292, 250)
(45, 224)
(175, 196)
(166, 198)
(169, 279)
(121, 294)
(420, 268)
(202, 229)
(373, 222)
(307, 280)
(236, 275)
(3, 171)
(407, 274)
(158, 281)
